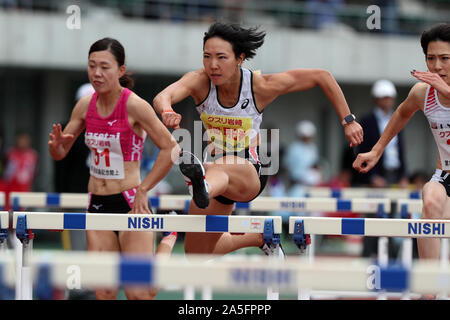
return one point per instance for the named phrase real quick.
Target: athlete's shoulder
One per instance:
(418, 92)
(196, 76)
(82, 106)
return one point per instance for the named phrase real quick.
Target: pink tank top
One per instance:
(111, 139)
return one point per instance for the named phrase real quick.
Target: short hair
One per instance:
(435, 33)
(243, 40)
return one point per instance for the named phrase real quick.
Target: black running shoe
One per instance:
(194, 175)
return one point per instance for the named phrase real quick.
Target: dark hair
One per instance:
(435, 33)
(118, 51)
(242, 40)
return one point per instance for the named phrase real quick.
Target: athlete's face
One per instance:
(220, 61)
(438, 59)
(104, 71)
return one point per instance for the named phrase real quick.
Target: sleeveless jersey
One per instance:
(231, 128)
(111, 139)
(439, 118)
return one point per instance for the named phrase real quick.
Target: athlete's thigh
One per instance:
(136, 242)
(102, 241)
(243, 183)
(205, 242)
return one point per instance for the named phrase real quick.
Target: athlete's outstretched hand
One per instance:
(366, 161)
(140, 205)
(434, 80)
(57, 137)
(57, 141)
(354, 133)
(171, 119)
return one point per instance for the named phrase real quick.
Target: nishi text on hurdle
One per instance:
(145, 223)
(426, 228)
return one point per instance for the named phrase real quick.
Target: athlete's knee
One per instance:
(106, 294)
(433, 206)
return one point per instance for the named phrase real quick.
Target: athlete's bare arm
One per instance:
(194, 84)
(268, 87)
(414, 102)
(61, 141)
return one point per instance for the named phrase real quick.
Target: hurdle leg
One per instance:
(27, 280)
(19, 254)
(189, 293)
(383, 259)
(444, 264)
(272, 294)
(407, 257)
(206, 293)
(305, 294)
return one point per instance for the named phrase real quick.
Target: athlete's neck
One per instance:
(230, 89)
(106, 102)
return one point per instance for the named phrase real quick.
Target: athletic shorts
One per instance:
(443, 178)
(114, 203)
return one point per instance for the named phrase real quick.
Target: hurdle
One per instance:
(232, 273)
(181, 202)
(4, 225)
(2, 200)
(24, 222)
(300, 227)
(351, 193)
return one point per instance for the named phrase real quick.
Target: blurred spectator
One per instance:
(323, 13)
(234, 10)
(302, 156)
(20, 167)
(391, 169)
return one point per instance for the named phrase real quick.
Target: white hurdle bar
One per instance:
(181, 202)
(23, 222)
(235, 274)
(145, 222)
(300, 227)
(351, 193)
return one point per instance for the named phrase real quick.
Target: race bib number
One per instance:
(228, 133)
(106, 160)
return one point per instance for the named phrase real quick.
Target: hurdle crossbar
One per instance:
(241, 274)
(181, 202)
(146, 222)
(410, 206)
(351, 193)
(409, 228)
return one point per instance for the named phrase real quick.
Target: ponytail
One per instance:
(127, 81)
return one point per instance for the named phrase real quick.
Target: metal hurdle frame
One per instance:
(380, 207)
(300, 227)
(24, 222)
(234, 273)
(4, 225)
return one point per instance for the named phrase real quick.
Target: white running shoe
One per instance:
(194, 175)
